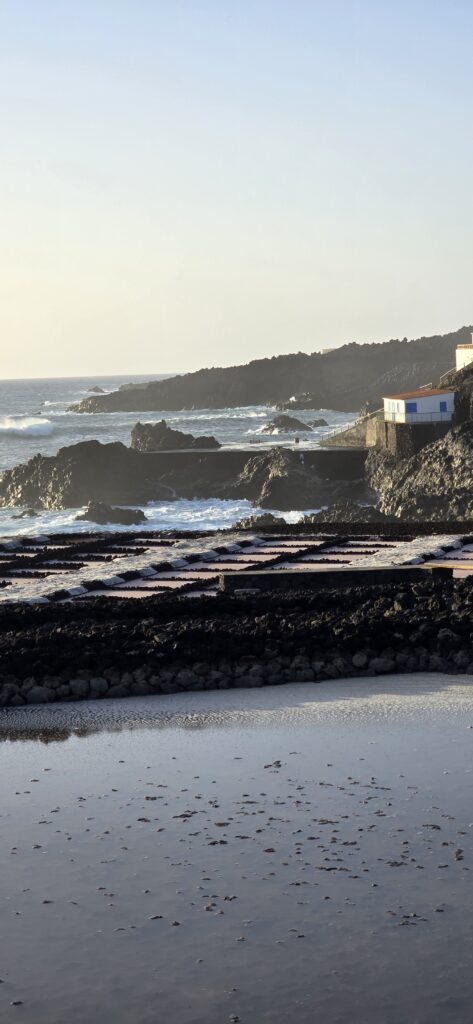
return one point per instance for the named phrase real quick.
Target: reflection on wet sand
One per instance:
(292, 854)
(252, 708)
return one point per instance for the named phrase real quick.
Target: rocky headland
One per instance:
(342, 379)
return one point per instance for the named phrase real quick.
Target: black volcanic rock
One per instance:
(111, 473)
(99, 512)
(285, 425)
(318, 423)
(155, 437)
(435, 484)
(80, 473)
(278, 479)
(28, 513)
(266, 520)
(462, 382)
(347, 512)
(105, 648)
(342, 379)
(96, 390)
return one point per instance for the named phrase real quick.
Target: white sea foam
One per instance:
(206, 514)
(25, 426)
(245, 413)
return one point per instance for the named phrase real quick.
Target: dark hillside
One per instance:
(343, 379)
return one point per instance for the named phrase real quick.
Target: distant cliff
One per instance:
(342, 379)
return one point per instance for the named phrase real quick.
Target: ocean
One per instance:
(33, 418)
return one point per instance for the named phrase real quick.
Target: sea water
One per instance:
(34, 418)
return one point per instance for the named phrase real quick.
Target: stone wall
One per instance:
(352, 576)
(407, 439)
(225, 463)
(361, 435)
(107, 649)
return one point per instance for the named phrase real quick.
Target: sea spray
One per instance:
(26, 426)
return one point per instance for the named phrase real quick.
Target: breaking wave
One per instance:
(25, 426)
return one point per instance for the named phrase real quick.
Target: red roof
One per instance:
(423, 393)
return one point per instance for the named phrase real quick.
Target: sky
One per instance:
(190, 183)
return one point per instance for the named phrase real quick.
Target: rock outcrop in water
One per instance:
(158, 437)
(435, 484)
(285, 425)
(27, 513)
(99, 512)
(88, 471)
(341, 379)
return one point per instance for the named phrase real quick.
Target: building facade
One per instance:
(426, 405)
(464, 355)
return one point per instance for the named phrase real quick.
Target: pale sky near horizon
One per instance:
(190, 183)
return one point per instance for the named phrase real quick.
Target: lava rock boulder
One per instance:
(99, 512)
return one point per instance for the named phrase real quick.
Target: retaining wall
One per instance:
(406, 439)
(320, 579)
(225, 463)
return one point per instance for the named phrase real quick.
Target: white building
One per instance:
(426, 405)
(464, 355)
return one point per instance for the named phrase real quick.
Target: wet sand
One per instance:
(298, 853)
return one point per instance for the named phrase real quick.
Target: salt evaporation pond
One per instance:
(297, 854)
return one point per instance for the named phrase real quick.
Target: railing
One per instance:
(338, 430)
(355, 423)
(447, 374)
(419, 417)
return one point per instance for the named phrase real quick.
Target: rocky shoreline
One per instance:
(106, 649)
(119, 475)
(163, 464)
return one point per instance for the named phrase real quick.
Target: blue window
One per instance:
(411, 406)
(443, 406)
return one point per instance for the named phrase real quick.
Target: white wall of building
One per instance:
(463, 356)
(399, 410)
